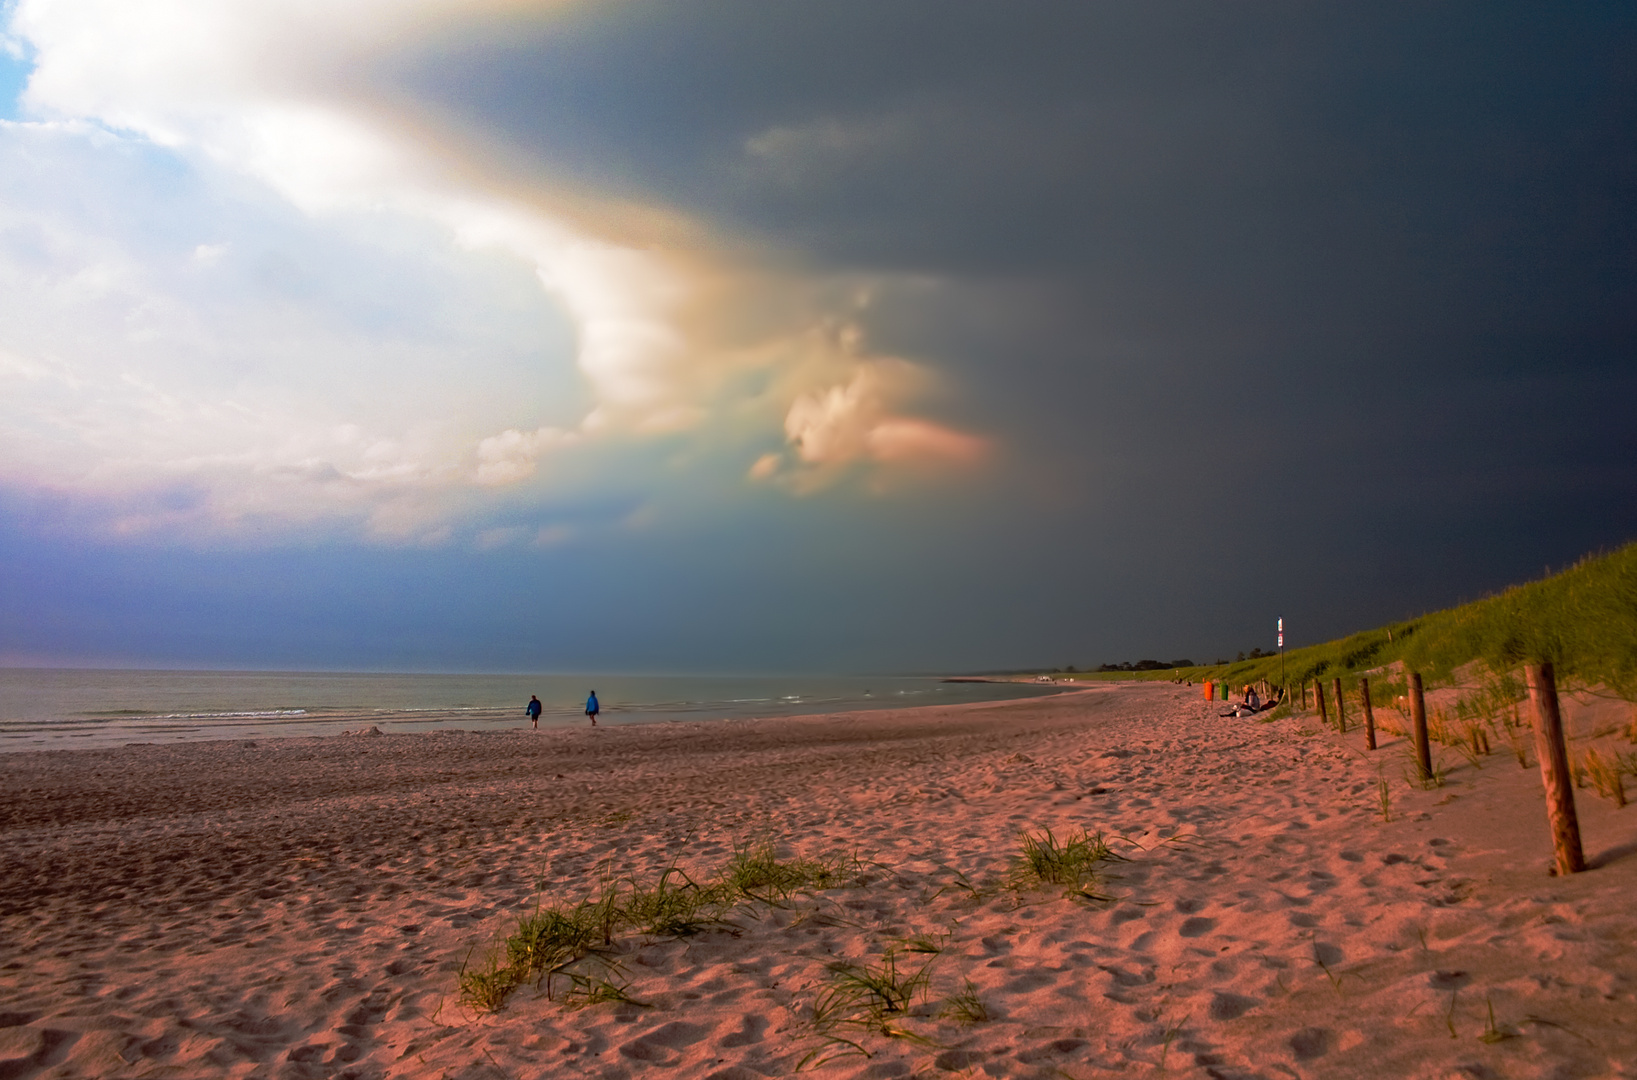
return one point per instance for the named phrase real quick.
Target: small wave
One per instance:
(440, 708)
(260, 715)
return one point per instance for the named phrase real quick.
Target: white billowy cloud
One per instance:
(849, 420)
(512, 455)
(242, 284)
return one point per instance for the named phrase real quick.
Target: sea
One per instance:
(51, 708)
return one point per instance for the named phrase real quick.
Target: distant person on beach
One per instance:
(533, 709)
(1252, 701)
(592, 708)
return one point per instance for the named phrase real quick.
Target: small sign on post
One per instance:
(1283, 682)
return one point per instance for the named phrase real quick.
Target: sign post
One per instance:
(1285, 689)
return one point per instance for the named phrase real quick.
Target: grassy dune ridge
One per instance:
(1583, 620)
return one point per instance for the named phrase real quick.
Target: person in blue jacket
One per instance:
(592, 708)
(533, 709)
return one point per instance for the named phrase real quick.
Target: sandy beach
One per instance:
(302, 907)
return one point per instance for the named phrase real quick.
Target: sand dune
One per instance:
(300, 908)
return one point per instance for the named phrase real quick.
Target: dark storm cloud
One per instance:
(1268, 189)
(1189, 143)
(1261, 290)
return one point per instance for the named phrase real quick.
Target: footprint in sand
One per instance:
(1449, 980)
(1327, 954)
(1030, 980)
(25, 1049)
(750, 1031)
(1050, 1051)
(736, 1072)
(1310, 1043)
(1226, 1006)
(664, 1043)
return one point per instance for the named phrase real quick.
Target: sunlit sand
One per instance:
(305, 907)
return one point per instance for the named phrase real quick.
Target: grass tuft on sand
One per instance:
(756, 873)
(866, 998)
(1044, 861)
(552, 939)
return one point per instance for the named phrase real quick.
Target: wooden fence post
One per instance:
(1554, 768)
(1341, 710)
(1318, 702)
(1418, 717)
(1369, 714)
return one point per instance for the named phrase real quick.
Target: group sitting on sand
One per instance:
(1252, 703)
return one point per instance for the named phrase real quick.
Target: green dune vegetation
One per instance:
(1582, 620)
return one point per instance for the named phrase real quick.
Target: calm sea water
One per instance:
(57, 709)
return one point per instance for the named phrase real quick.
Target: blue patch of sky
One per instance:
(16, 64)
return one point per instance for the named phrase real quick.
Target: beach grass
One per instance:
(485, 988)
(1603, 772)
(1044, 860)
(673, 906)
(551, 936)
(877, 991)
(965, 1008)
(554, 938)
(756, 873)
(860, 999)
(930, 944)
(1583, 620)
(599, 988)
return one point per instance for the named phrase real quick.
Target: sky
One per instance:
(724, 336)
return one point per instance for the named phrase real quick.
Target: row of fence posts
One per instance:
(1550, 747)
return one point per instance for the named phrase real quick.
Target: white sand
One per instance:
(300, 907)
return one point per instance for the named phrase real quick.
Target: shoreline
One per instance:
(297, 705)
(303, 907)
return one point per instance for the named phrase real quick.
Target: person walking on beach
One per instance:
(592, 708)
(533, 709)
